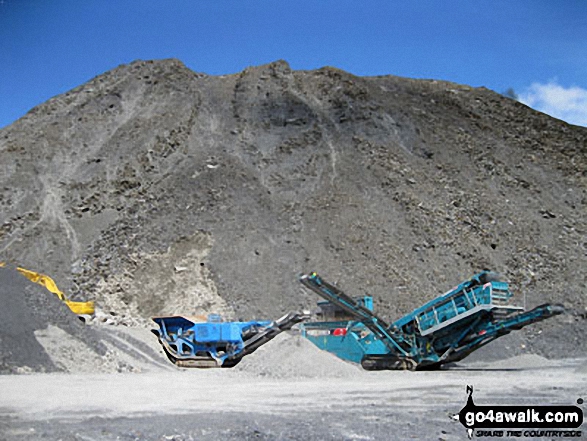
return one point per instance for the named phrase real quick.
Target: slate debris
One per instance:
(25, 308)
(387, 186)
(18, 345)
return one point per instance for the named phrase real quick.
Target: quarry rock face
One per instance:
(153, 189)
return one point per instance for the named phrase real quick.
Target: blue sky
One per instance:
(536, 47)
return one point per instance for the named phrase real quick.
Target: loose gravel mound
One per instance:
(38, 333)
(28, 309)
(292, 356)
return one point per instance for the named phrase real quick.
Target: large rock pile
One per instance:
(153, 189)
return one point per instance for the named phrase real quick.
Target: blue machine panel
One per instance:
(445, 329)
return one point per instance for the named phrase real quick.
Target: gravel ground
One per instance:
(222, 404)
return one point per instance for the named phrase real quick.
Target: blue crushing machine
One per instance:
(444, 330)
(189, 343)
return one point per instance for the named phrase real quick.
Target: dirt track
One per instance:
(288, 389)
(222, 404)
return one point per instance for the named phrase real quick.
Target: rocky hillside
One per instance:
(154, 189)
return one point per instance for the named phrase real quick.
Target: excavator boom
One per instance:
(79, 308)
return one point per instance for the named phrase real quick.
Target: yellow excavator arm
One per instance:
(79, 308)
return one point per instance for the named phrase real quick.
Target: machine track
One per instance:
(388, 362)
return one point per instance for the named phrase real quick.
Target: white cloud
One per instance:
(568, 104)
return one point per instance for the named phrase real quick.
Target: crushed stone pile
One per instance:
(38, 333)
(29, 310)
(291, 356)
